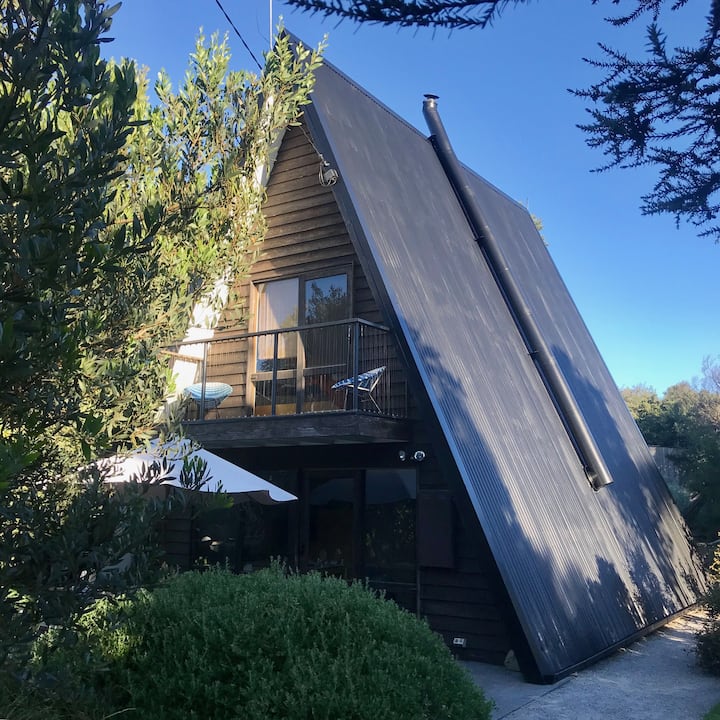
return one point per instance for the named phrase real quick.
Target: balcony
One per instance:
(322, 382)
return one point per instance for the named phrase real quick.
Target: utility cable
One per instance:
(237, 32)
(327, 177)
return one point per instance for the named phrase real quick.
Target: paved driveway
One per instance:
(654, 679)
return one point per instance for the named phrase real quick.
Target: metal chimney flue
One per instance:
(589, 455)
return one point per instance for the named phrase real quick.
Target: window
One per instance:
(302, 363)
(326, 299)
(277, 307)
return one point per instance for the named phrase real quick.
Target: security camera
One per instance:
(418, 456)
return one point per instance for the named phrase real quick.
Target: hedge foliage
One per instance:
(708, 639)
(219, 646)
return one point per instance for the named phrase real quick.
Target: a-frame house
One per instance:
(414, 369)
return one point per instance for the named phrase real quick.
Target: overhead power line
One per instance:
(237, 32)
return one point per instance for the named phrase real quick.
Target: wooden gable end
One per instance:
(306, 236)
(305, 230)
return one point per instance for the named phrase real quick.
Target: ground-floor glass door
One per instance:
(331, 523)
(348, 523)
(361, 524)
(389, 544)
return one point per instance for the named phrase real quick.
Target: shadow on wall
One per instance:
(665, 572)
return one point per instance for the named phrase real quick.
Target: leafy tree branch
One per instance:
(660, 110)
(116, 218)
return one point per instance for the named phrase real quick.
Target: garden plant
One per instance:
(266, 645)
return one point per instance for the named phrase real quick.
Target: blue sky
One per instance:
(648, 291)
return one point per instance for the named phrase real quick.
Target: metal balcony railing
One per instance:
(347, 365)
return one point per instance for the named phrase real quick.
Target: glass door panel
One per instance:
(389, 524)
(248, 535)
(326, 349)
(326, 299)
(277, 308)
(276, 355)
(330, 524)
(285, 393)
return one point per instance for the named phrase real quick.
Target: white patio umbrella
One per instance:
(223, 475)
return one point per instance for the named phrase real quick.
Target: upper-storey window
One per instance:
(326, 299)
(277, 308)
(296, 301)
(302, 359)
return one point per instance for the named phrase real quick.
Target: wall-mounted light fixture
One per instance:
(327, 176)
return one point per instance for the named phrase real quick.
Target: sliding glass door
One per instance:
(298, 368)
(276, 354)
(349, 524)
(361, 525)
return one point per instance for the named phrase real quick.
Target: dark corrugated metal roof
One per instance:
(585, 570)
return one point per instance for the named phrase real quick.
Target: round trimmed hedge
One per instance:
(219, 646)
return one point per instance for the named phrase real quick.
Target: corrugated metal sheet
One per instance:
(585, 570)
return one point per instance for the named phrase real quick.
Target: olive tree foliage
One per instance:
(65, 120)
(64, 124)
(116, 218)
(687, 418)
(192, 170)
(658, 110)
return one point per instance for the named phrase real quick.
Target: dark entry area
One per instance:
(361, 524)
(348, 523)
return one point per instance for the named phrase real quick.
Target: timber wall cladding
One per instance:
(457, 593)
(305, 235)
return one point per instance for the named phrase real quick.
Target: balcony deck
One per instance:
(343, 427)
(331, 383)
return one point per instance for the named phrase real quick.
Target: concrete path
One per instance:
(654, 679)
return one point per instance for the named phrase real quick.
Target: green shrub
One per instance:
(708, 639)
(220, 646)
(708, 647)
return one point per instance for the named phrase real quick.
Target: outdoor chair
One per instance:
(214, 393)
(365, 383)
